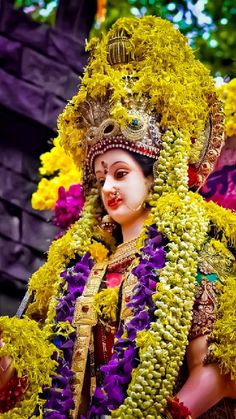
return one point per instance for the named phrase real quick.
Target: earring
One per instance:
(108, 224)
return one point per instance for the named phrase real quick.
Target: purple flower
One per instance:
(99, 399)
(68, 206)
(54, 415)
(60, 396)
(118, 371)
(139, 322)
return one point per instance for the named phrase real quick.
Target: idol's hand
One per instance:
(6, 368)
(206, 385)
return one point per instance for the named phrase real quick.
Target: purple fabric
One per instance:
(221, 187)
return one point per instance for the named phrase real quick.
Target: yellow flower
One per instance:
(161, 74)
(64, 172)
(227, 93)
(105, 304)
(98, 251)
(32, 353)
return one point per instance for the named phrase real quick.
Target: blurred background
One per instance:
(42, 56)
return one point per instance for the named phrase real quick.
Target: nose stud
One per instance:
(115, 192)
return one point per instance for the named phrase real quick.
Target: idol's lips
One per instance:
(114, 203)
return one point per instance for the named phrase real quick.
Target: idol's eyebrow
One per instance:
(119, 161)
(113, 164)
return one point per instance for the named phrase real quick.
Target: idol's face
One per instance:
(123, 186)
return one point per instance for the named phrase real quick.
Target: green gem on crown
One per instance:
(135, 123)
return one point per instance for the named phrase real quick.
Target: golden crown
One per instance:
(143, 80)
(142, 134)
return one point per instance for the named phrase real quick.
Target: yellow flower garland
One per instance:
(224, 338)
(180, 96)
(31, 352)
(223, 220)
(182, 217)
(98, 251)
(45, 283)
(176, 83)
(227, 92)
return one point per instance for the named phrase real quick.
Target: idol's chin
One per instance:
(123, 219)
(118, 216)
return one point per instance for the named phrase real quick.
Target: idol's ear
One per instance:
(149, 181)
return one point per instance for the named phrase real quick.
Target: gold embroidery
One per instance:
(124, 252)
(127, 290)
(204, 307)
(216, 258)
(84, 318)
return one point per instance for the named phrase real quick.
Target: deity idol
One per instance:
(133, 314)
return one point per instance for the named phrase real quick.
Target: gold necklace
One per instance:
(124, 252)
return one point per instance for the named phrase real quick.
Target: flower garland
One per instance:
(33, 357)
(117, 373)
(45, 283)
(227, 92)
(178, 95)
(223, 221)
(222, 338)
(60, 396)
(181, 217)
(105, 303)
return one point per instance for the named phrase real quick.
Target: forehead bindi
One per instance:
(111, 158)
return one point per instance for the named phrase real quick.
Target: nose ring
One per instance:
(115, 192)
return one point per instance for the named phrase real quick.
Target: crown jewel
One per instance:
(141, 133)
(119, 48)
(142, 81)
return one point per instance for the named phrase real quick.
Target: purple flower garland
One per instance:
(60, 396)
(118, 372)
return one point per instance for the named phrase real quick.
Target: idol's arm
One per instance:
(205, 385)
(6, 369)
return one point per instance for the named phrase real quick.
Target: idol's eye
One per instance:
(119, 174)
